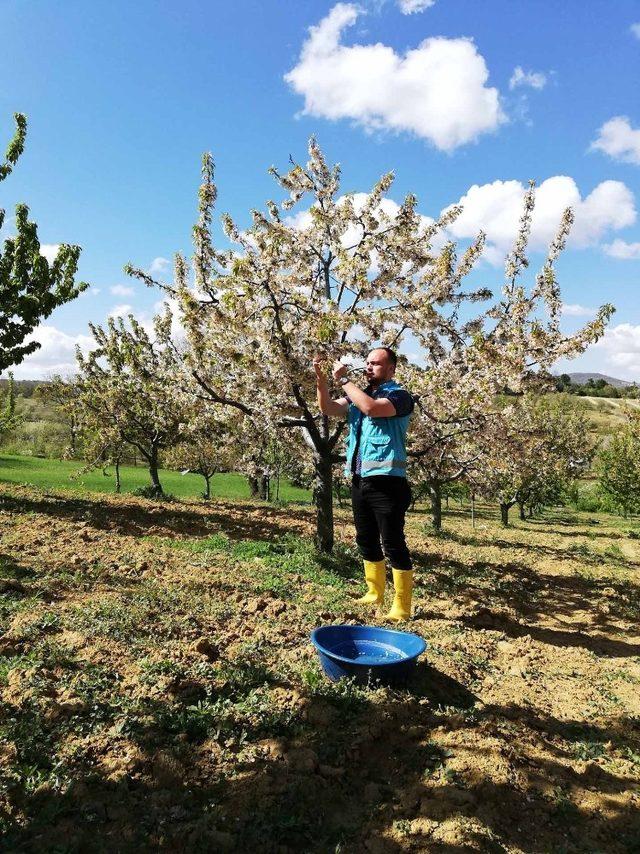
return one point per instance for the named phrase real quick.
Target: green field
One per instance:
(59, 474)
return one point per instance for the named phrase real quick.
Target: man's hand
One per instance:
(318, 366)
(337, 408)
(339, 371)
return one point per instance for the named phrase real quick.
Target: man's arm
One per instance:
(380, 408)
(336, 408)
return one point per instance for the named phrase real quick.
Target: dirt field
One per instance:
(159, 692)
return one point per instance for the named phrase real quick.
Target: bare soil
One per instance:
(158, 691)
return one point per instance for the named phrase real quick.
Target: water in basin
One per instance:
(368, 651)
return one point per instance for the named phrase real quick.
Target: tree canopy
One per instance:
(30, 287)
(343, 273)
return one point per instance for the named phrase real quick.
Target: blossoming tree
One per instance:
(536, 447)
(129, 383)
(342, 273)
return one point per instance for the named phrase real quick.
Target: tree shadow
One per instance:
(345, 769)
(600, 645)
(236, 520)
(580, 552)
(590, 535)
(535, 595)
(12, 571)
(15, 586)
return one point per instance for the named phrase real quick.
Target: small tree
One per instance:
(210, 445)
(99, 439)
(535, 447)
(619, 467)
(60, 391)
(30, 287)
(201, 458)
(447, 460)
(8, 418)
(103, 447)
(130, 385)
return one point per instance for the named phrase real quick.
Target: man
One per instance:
(377, 462)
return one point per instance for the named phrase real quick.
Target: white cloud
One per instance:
(437, 91)
(158, 265)
(49, 250)
(121, 290)
(496, 209)
(617, 354)
(409, 7)
(57, 354)
(120, 310)
(533, 79)
(623, 250)
(576, 310)
(619, 140)
(635, 30)
(620, 346)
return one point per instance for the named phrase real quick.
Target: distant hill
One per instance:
(582, 378)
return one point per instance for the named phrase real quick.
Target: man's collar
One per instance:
(382, 387)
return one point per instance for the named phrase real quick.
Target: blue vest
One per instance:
(382, 440)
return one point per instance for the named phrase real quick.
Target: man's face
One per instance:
(379, 367)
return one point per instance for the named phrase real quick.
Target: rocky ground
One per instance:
(158, 690)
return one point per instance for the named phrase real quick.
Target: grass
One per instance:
(284, 564)
(61, 474)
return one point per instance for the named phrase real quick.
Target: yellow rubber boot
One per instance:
(375, 574)
(403, 586)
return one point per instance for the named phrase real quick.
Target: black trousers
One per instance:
(379, 506)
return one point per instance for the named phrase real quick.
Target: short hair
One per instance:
(391, 355)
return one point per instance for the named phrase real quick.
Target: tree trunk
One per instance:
(72, 432)
(118, 484)
(504, 514)
(435, 491)
(323, 499)
(522, 513)
(153, 472)
(265, 487)
(254, 487)
(207, 489)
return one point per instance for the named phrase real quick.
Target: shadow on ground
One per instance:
(518, 597)
(236, 520)
(350, 771)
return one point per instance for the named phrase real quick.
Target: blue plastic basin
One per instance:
(367, 653)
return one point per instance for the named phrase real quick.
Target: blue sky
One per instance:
(123, 98)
